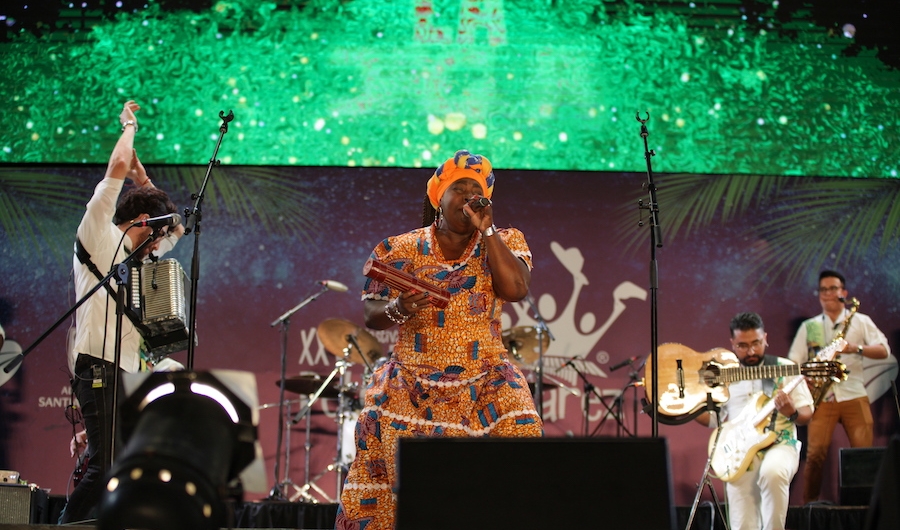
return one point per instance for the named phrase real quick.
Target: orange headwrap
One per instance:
(463, 165)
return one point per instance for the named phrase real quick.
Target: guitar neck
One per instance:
(827, 354)
(744, 373)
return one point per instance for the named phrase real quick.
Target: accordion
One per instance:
(158, 293)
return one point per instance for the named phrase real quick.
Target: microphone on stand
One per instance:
(170, 220)
(332, 285)
(624, 363)
(569, 362)
(351, 338)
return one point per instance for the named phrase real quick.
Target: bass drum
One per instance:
(348, 441)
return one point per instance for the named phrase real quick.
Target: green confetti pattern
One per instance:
(539, 85)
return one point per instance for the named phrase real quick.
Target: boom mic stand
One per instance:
(619, 402)
(655, 242)
(635, 382)
(285, 321)
(589, 389)
(122, 272)
(192, 218)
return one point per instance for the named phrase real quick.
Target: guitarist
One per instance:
(846, 402)
(758, 499)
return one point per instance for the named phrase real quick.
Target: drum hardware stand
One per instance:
(277, 493)
(704, 480)
(541, 328)
(286, 481)
(340, 370)
(122, 272)
(307, 446)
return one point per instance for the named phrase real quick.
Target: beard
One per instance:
(752, 360)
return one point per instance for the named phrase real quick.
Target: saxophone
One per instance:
(819, 386)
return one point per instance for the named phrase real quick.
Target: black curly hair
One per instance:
(151, 201)
(746, 322)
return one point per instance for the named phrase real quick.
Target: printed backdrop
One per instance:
(591, 283)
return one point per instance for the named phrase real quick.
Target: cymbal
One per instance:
(335, 335)
(308, 384)
(523, 345)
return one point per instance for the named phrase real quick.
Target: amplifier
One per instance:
(859, 467)
(22, 504)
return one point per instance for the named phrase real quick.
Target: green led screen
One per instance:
(731, 86)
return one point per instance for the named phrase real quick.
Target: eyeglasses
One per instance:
(743, 346)
(831, 289)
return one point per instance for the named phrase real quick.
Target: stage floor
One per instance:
(306, 516)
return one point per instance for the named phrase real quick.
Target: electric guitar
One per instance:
(740, 438)
(686, 377)
(81, 466)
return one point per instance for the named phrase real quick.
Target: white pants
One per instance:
(758, 499)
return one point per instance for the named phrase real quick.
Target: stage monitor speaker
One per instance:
(534, 483)
(884, 512)
(20, 504)
(859, 467)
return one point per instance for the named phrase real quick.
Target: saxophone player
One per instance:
(845, 402)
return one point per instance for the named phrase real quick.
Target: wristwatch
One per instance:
(859, 349)
(489, 231)
(793, 417)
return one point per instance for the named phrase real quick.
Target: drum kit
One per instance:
(527, 346)
(350, 345)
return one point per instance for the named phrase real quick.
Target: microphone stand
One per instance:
(192, 219)
(704, 480)
(655, 242)
(589, 389)
(634, 382)
(285, 320)
(122, 272)
(351, 339)
(619, 402)
(541, 328)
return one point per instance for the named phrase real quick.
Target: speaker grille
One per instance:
(20, 505)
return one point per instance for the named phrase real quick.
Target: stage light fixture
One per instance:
(188, 437)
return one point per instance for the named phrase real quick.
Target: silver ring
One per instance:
(415, 305)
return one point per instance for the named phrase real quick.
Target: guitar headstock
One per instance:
(828, 353)
(834, 370)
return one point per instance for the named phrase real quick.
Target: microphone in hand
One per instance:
(478, 202)
(624, 363)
